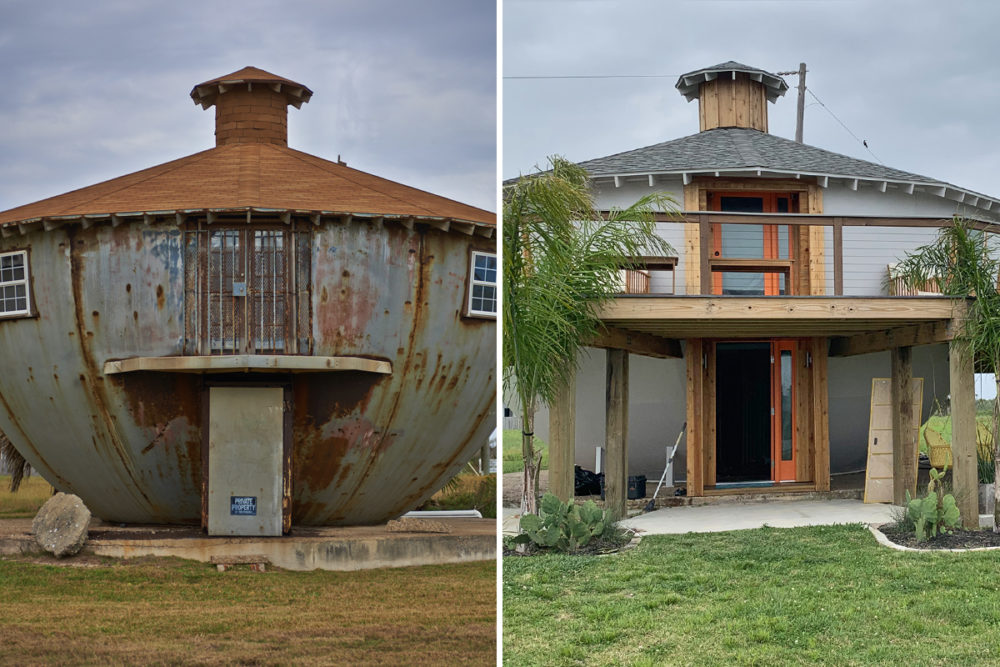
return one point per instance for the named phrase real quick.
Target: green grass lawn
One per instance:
(819, 595)
(512, 459)
(942, 424)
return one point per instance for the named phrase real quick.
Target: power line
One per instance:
(597, 76)
(856, 138)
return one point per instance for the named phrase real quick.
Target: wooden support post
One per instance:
(965, 479)
(562, 441)
(820, 415)
(695, 433)
(616, 438)
(904, 440)
(484, 459)
(838, 257)
(705, 253)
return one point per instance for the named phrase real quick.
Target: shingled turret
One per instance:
(251, 106)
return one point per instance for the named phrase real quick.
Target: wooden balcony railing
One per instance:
(636, 281)
(650, 269)
(708, 265)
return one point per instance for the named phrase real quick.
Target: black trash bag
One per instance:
(586, 482)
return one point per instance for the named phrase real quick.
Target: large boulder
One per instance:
(60, 527)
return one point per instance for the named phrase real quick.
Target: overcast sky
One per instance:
(920, 81)
(95, 90)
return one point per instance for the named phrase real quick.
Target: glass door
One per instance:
(783, 410)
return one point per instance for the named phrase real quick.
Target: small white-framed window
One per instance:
(15, 292)
(483, 284)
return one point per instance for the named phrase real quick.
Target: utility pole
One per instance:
(800, 112)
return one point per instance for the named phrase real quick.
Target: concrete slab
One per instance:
(307, 548)
(718, 518)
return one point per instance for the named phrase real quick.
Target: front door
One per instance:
(783, 410)
(755, 412)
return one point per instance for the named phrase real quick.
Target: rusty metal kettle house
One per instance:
(249, 336)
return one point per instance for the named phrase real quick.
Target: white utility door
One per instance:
(245, 440)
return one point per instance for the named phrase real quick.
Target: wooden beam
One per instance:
(616, 435)
(838, 257)
(695, 436)
(817, 262)
(878, 341)
(648, 345)
(692, 243)
(820, 415)
(965, 479)
(747, 265)
(904, 430)
(708, 405)
(784, 308)
(562, 441)
(705, 247)
(693, 215)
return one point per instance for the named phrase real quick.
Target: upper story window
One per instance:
(247, 290)
(483, 285)
(751, 259)
(15, 291)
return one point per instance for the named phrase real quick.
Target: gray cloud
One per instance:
(94, 91)
(920, 81)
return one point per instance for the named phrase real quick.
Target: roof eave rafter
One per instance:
(212, 216)
(822, 179)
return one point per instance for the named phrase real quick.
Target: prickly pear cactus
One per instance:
(563, 526)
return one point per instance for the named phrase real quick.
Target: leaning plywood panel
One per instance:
(878, 474)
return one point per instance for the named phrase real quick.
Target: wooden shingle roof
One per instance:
(253, 175)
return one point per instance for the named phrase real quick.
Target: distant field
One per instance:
(470, 492)
(513, 461)
(24, 504)
(169, 611)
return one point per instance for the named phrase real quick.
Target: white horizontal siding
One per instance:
(869, 250)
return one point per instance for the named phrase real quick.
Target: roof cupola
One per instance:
(251, 106)
(732, 95)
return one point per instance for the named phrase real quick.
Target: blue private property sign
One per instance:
(243, 505)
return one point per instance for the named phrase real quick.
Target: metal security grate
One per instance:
(245, 291)
(226, 289)
(269, 317)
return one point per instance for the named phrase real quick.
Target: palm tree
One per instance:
(962, 260)
(561, 261)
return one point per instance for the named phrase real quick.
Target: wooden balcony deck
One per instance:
(855, 325)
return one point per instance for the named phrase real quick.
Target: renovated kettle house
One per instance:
(764, 333)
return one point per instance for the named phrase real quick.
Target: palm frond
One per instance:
(12, 460)
(562, 259)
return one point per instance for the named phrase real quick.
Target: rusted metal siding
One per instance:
(365, 447)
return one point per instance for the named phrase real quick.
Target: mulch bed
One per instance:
(959, 539)
(594, 547)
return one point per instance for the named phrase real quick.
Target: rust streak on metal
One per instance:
(93, 380)
(417, 327)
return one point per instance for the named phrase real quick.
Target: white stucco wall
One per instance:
(657, 407)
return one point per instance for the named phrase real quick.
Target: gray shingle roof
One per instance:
(739, 148)
(689, 84)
